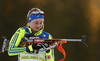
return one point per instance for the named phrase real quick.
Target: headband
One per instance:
(35, 15)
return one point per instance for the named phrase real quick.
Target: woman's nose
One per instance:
(38, 25)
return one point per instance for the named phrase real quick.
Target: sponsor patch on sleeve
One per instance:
(48, 57)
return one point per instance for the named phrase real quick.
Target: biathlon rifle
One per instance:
(5, 44)
(52, 43)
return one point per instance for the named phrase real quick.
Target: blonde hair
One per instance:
(31, 10)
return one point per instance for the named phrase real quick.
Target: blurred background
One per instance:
(63, 19)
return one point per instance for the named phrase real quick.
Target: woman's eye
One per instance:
(40, 22)
(36, 23)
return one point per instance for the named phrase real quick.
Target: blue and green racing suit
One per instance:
(19, 37)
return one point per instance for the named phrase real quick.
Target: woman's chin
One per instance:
(37, 30)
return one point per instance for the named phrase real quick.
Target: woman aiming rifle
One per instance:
(34, 28)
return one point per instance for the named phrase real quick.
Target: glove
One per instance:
(34, 48)
(45, 45)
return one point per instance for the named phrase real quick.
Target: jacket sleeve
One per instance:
(13, 48)
(50, 55)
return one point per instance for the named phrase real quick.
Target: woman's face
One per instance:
(36, 24)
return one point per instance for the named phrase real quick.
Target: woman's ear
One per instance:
(42, 27)
(28, 24)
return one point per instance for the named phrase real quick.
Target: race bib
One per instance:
(32, 57)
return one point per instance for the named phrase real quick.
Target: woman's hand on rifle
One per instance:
(34, 48)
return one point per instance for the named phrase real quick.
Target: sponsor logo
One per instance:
(44, 35)
(29, 18)
(38, 16)
(48, 57)
(38, 40)
(31, 57)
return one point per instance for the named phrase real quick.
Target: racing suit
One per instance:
(19, 37)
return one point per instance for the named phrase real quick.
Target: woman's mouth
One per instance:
(37, 28)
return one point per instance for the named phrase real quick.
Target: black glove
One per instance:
(45, 45)
(34, 48)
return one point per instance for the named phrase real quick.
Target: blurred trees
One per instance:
(63, 19)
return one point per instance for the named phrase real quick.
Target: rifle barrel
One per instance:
(72, 40)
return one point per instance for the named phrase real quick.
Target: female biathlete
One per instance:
(34, 27)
